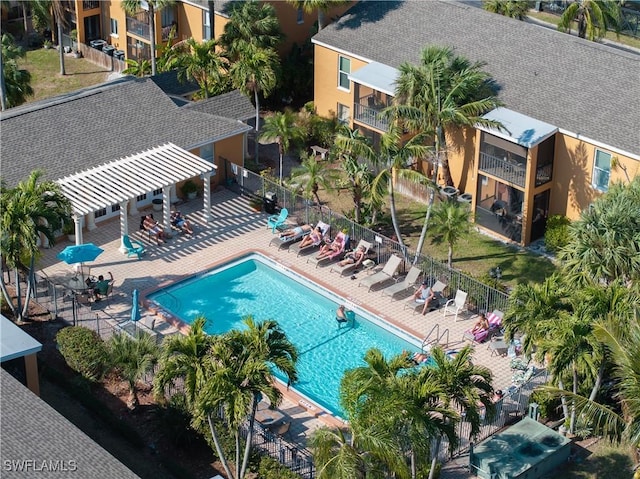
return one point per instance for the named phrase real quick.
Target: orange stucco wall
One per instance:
(326, 93)
(190, 22)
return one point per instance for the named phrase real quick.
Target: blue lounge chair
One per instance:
(277, 220)
(133, 247)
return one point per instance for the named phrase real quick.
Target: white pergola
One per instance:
(121, 181)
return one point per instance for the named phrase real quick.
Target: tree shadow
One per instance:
(366, 12)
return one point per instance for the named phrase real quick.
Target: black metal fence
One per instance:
(480, 296)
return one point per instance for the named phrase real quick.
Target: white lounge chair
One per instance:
(341, 269)
(437, 288)
(284, 241)
(456, 304)
(298, 249)
(340, 241)
(408, 282)
(388, 272)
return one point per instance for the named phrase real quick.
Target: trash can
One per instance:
(108, 49)
(270, 200)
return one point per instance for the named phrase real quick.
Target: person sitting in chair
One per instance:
(331, 248)
(424, 294)
(312, 238)
(355, 257)
(101, 287)
(181, 222)
(297, 231)
(482, 324)
(152, 226)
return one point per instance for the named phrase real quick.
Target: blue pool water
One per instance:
(257, 286)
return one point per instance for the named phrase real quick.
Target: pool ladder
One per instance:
(436, 341)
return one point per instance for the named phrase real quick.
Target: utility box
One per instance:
(270, 201)
(108, 49)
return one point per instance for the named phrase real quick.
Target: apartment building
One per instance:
(572, 107)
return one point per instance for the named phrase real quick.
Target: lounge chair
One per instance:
(284, 241)
(495, 323)
(438, 288)
(275, 221)
(456, 304)
(409, 281)
(298, 249)
(341, 269)
(388, 272)
(334, 256)
(134, 248)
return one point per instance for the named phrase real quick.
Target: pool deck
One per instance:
(235, 229)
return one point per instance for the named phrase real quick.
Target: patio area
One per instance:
(233, 230)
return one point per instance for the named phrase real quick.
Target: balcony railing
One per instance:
(90, 5)
(137, 27)
(370, 116)
(506, 170)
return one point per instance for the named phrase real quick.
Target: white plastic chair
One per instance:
(456, 304)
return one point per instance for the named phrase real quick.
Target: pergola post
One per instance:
(91, 221)
(124, 225)
(77, 223)
(206, 196)
(133, 208)
(166, 208)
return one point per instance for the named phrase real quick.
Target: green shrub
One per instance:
(557, 234)
(271, 469)
(176, 422)
(548, 406)
(83, 350)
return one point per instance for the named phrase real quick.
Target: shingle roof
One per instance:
(234, 105)
(73, 133)
(579, 86)
(169, 83)
(33, 431)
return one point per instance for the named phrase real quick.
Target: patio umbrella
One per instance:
(135, 308)
(79, 253)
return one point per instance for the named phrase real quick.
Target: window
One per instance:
(601, 170)
(344, 68)
(300, 15)
(206, 25)
(114, 27)
(344, 114)
(206, 152)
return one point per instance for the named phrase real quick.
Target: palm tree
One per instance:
(348, 144)
(509, 8)
(31, 209)
(201, 63)
(322, 6)
(281, 127)
(131, 7)
(450, 224)
(132, 358)
(237, 373)
(467, 388)
(16, 85)
(443, 92)
(182, 357)
(604, 241)
(313, 174)
(137, 68)
(392, 159)
(251, 23)
(255, 72)
(594, 18)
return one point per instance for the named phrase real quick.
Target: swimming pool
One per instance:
(257, 286)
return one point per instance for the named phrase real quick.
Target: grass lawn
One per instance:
(475, 254)
(46, 81)
(602, 461)
(554, 19)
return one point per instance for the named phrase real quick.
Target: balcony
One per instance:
(370, 115)
(136, 27)
(90, 5)
(509, 171)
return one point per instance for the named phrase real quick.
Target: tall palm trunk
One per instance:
(255, 95)
(247, 447)
(432, 196)
(572, 423)
(212, 18)
(60, 47)
(216, 442)
(152, 34)
(3, 87)
(598, 382)
(434, 461)
(563, 401)
(392, 205)
(18, 296)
